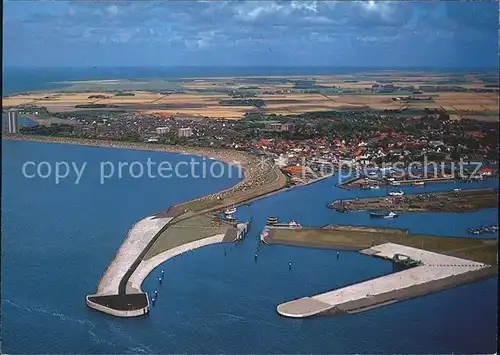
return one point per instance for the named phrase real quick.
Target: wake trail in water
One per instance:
(63, 317)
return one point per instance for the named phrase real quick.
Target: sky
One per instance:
(251, 33)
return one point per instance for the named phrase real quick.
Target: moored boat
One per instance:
(272, 220)
(419, 183)
(383, 215)
(396, 193)
(229, 213)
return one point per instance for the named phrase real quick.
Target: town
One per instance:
(347, 139)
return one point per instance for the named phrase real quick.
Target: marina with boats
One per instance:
(483, 230)
(456, 200)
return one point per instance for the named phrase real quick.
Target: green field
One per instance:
(358, 238)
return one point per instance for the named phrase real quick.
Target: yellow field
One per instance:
(207, 105)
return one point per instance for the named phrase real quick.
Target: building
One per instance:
(162, 130)
(185, 132)
(279, 127)
(12, 122)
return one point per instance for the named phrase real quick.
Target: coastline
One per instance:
(217, 154)
(119, 288)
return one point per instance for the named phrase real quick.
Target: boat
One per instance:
(272, 220)
(396, 193)
(229, 213)
(482, 230)
(383, 215)
(230, 210)
(457, 190)
(375, 187)
(419, 183)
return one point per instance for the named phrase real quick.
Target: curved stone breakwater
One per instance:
(438, 272)
(428, 263)
(150, 241)
(181, 228)
(109, 297)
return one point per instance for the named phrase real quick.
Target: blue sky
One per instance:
(242, 33)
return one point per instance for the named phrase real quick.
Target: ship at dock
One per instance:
(273, 221)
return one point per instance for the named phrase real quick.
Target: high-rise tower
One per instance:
(12, 122)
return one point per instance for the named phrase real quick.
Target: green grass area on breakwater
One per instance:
(184, 232)
(358, 238)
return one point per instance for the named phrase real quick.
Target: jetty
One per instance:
(168, 234)
(427, 264)
(436, 273)
(448, 201)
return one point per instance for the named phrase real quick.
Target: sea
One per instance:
(59, 237)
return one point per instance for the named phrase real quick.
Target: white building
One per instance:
(162, 130)
(185, 132)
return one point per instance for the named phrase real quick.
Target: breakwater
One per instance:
(430, 264)
(179, 229)
(434, 272)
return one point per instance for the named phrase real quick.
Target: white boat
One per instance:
(457, 190)
(383, 215)
(396, 193)
(229, 213)
(374, 187)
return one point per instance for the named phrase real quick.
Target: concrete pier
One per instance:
(108, 298)
(149, 243)
(147, 266)
(438, 272)
(137, 239)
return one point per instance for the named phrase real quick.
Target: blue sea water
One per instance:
(57, 240)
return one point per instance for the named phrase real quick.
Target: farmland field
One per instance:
(205, 97)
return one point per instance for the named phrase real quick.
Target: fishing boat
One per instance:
(383, 215)
(419, 183)
(396, 193)
(375, 187)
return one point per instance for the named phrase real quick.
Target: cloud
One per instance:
(295, 29)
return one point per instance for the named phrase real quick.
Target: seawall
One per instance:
(438, 272)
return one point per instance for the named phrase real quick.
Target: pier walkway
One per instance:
(138, 237)
(147, 266)
(437, 272)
